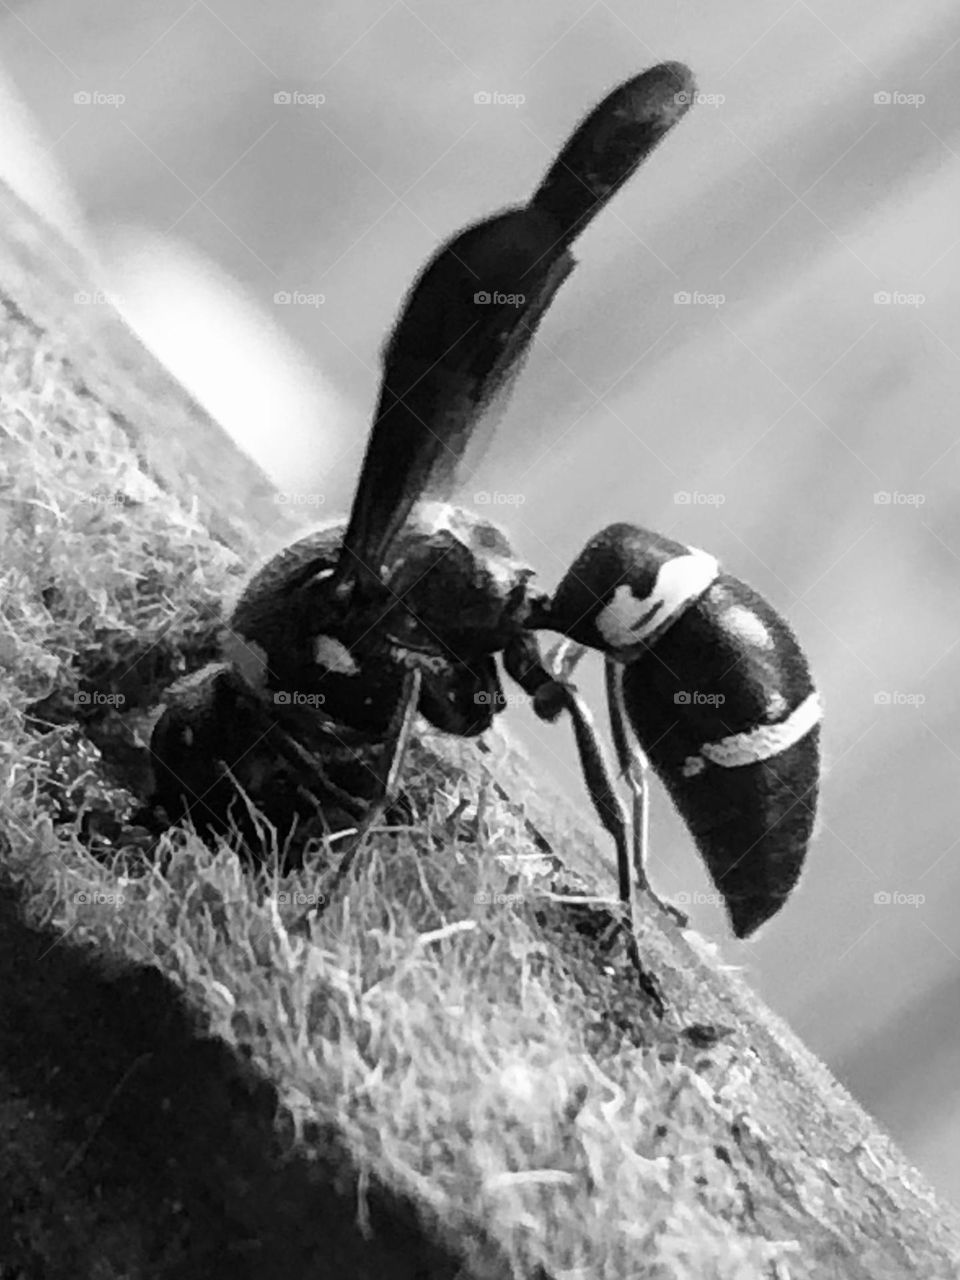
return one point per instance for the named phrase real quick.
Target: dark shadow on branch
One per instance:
(151, 1151)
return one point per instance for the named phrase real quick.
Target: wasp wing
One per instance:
(472, 313)
(611, 142)
(466, 323)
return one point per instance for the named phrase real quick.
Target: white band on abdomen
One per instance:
(628, 619)
(755, 745)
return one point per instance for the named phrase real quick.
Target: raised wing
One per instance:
(473, 311)
(611, 143)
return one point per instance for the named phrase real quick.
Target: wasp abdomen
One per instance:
(725, 708)
(626, 589)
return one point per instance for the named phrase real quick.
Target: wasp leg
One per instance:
(635, 769)
(388, 770)
(546, 682)
(562, 695)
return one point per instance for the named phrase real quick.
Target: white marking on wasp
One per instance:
(334, 655)
(629, 619)
(748, 626)
(248, 657)
(755, 745)
(776, 704)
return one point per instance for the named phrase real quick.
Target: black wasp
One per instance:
(344, 636)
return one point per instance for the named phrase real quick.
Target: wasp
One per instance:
(414, 605)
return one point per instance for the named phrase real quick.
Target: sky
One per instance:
(258, 185)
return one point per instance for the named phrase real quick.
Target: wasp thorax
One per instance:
(457, 572)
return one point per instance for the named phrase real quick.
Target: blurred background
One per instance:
(759, 354)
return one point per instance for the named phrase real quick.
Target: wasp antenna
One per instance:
(611, 143)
